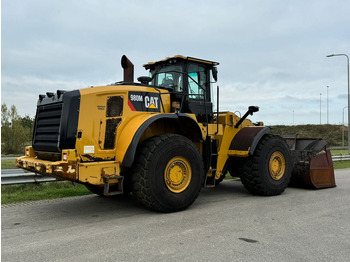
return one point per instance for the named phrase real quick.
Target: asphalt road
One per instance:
(224, 224)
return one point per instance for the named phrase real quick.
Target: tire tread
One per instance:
(251, 175)
(139, 173)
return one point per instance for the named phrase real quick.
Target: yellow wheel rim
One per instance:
(277, 165)
(177, 174)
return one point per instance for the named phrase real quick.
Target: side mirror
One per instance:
(215, 73)
(253, 109)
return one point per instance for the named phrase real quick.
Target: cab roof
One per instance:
(173, 59)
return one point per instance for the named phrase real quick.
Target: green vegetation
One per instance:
(12, 155)
(16, 131)
(27, 192)
(340, 152)
(331, 133)
(341, 164)
(8, 164)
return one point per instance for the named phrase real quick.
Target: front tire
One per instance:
(268, 171)
(168, 173)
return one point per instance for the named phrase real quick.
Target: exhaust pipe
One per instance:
(128, 69)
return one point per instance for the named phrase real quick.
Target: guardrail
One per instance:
(19, 176)
(340, 158)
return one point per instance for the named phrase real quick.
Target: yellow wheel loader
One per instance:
(161, 139)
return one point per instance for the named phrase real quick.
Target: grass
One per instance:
(341, 164)
(331, 133)
(339, 152)
(8, 164)
(11, 155)
(28, 192)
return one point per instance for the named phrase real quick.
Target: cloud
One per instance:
(271, 53)
(19, 91)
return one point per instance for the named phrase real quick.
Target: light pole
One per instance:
(327, 106)
(348, 95)
(320, 107)
(343, 127)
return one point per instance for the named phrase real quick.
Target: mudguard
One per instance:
(131, 150)
(248, 138)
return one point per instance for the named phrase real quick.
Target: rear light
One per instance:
(27, 152)
(65, 157)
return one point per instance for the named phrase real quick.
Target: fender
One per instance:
(247, 139)
(129, 156)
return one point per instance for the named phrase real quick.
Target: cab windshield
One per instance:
(169, 77)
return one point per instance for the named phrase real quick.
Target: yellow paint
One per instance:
(277, 165)
(177, 174)
(94, 172)
(224, 136)
(126, 135)
(63, 169)
(92, 123)
(238, 153)
(214, 129)
(29, 151)
(71, 154)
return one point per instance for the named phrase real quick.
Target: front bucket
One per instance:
(313, 165)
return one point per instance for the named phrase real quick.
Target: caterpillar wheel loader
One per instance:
(161, 139)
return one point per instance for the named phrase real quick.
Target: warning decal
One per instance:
(144, 101)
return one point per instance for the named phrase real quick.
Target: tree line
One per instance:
(16, 131)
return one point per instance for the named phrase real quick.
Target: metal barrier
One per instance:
(18, 176)
(340, 158)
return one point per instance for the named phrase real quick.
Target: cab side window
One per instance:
(197, 81)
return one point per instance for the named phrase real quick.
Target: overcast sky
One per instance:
(271, 53)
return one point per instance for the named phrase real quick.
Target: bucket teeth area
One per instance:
(313, 165)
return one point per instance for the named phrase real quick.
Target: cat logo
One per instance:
(144, 101)
(151, 102)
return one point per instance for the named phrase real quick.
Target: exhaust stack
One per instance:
(128, 69)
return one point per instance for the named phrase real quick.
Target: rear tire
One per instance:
(168, 173)
(268, 171)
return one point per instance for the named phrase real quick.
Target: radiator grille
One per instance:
(47, 128)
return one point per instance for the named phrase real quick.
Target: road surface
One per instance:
(224, 224)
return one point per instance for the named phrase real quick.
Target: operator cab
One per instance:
(188, 80)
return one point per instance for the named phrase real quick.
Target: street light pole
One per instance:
(348, 95)
(320, 107)
(343, 127)
(327, 106)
